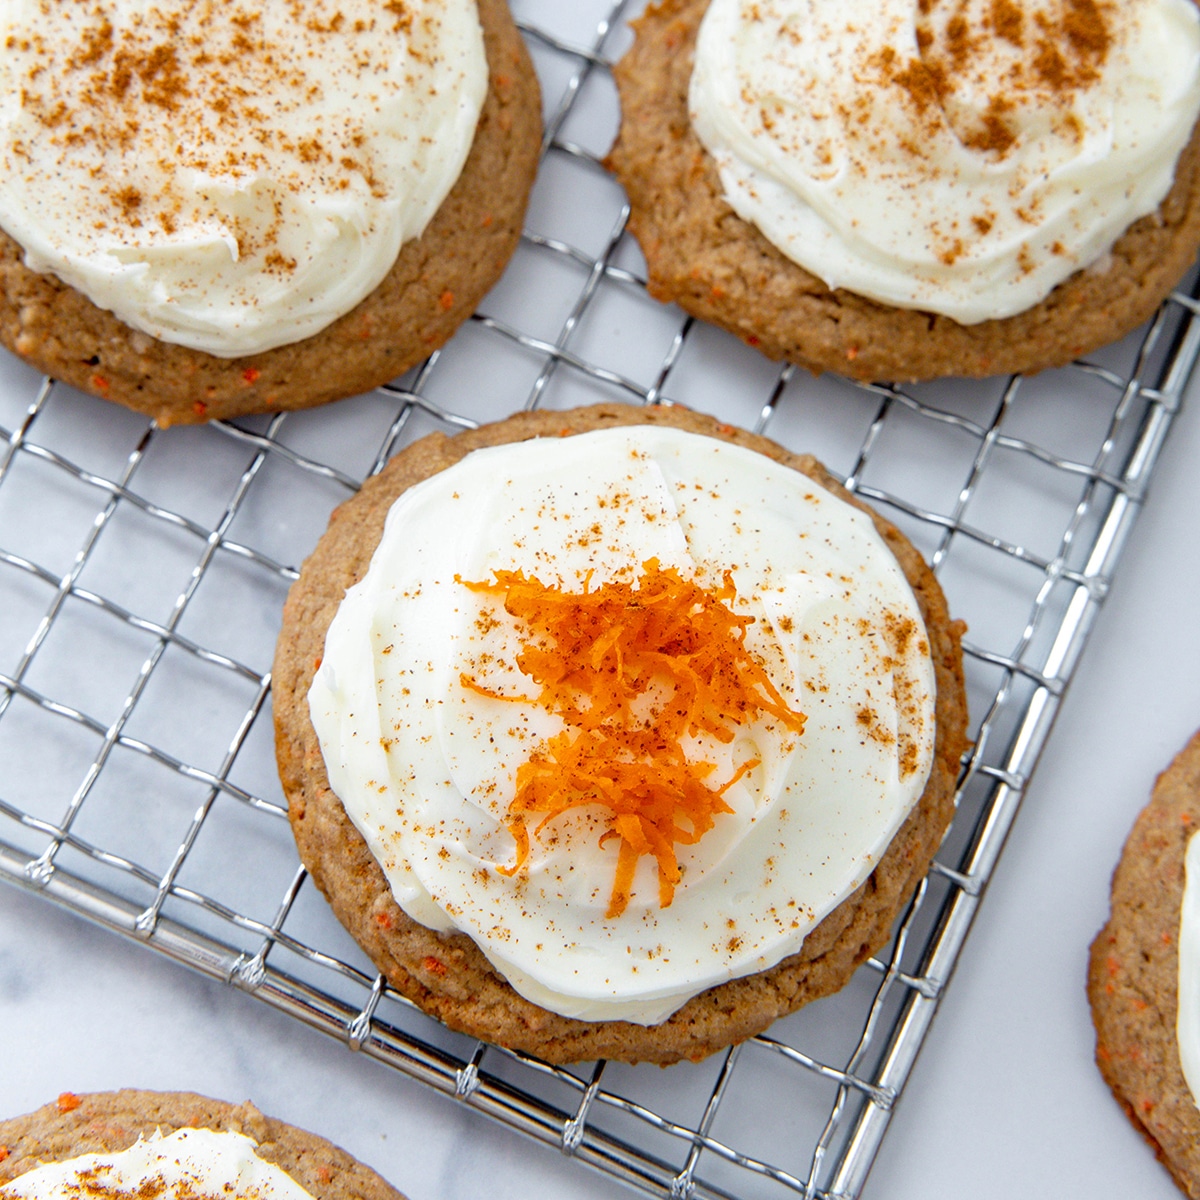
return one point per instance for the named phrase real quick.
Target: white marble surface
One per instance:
(1004, 1100)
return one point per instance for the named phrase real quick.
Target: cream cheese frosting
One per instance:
(188, 1164)
(426, 763)
(961, 158)
(231, 178)
(1187, 1022)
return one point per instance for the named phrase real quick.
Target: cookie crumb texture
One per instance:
(112, 1121)
(447, 975)
(703, 257)
(434, 286)
(1133, 973)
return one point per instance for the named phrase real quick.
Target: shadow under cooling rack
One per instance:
(142, 573)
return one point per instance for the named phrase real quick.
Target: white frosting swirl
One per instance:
(425, 766)
(958, 158)
(1187, 1019)
(189, 1164)
(231, 179)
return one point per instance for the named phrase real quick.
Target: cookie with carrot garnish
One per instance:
(616, 732)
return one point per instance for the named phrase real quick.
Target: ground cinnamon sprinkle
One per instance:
(129, 200)
(632, 671)
(1063, 45)
(1008, 21)
(926, 84)
(995, 134)
(206, 87)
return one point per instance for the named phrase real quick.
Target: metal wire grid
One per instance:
(150, 814)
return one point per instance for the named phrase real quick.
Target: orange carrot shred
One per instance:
(68, 1102)
(632, 670)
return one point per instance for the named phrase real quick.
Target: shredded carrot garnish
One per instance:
(632, 670)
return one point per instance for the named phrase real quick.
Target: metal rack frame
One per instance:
(846, 1060)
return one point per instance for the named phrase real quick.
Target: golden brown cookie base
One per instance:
(110, 1121)
(719, 268)
(434, 286)
(448, 976)
(1133, 973)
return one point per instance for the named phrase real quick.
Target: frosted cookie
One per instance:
(172, 1144)
(929, 190)
(635, 734)
(1144, 973)
(206, 215)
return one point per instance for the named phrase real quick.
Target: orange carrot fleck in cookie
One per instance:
(100, 383)
(447, 301)
(383, 920)
(3, 1153)
(851, 353)
(200, 408)
(250, 374)
(433, 966)
(68, 1102)
(324, 1174)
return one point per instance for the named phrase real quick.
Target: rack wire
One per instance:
(142, 572)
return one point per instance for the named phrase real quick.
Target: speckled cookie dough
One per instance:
(435, 285)
(448, 976)
(1133, 973)
(703, 257)
(111, 1121)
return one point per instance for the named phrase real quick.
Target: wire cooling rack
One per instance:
(142, 573)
